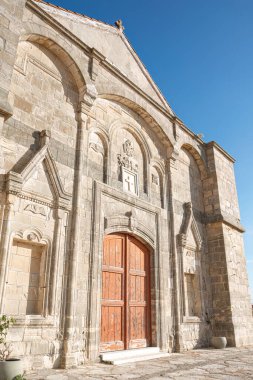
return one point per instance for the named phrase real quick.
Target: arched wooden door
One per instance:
(125, 304)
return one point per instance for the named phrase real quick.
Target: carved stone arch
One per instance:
(200, 161)
(159, 165)
(102, 132)
(129, 224)
(159, 182)
(167, 140)
(32, 234)
(58, 46)
(122, 123)
(141, 141)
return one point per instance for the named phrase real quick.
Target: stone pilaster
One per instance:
(10, 29)
(6, 227)
(70, 356)
(231, 314)
(175, 259)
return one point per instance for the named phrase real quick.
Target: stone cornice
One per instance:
(226, 219)
(5, 107)
(213, 144)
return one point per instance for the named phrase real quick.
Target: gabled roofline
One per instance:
(109, 66)
(129, 47)
(75, 13)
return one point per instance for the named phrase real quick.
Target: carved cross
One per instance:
(128, 181)
(119, 25)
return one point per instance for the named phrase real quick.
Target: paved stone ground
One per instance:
(228, 364)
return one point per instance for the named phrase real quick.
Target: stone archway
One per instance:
(125, 300)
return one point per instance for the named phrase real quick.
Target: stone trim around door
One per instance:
(101, 227)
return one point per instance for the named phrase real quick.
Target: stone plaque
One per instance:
(189, 261)
(130, 181)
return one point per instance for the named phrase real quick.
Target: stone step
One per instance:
(130, 356)
(140, 358)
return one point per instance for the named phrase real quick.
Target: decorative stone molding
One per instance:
(15, 181)
(90, 95)
(126, 160)
(130, 223)
(32, 235)
(189, 222)
(226, 219)
(36, 209)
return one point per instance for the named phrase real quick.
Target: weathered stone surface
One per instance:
(198, 364)
(90, 147)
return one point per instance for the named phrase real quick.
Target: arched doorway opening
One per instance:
(125, 303)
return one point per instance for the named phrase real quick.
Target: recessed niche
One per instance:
(24, 293)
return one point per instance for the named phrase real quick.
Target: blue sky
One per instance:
(200, 54)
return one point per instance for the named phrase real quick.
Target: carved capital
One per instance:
(181, 239)
(89, 97)
(14, 183)
(60, 213)
(45, 136)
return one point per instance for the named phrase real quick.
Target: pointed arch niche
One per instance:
(157, 184)
(98, 155)
(129, 153)
(31, 261)
(190, 246)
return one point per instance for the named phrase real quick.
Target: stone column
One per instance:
(5, 241)
(54, 269)
(69, 357)
(2, 171)
(175, 259)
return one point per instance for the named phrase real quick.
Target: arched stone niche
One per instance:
(190, 246)
(190, 182)
(128, 162)
(44, 92)
(156, 185)
(97, 166)
(26, 290)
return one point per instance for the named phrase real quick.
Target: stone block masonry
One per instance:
(90, 151)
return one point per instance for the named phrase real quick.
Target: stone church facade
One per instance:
(120, 227)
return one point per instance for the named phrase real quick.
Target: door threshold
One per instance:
(132, 355)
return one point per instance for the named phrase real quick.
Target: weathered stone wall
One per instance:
(89, 147)
(230, 295)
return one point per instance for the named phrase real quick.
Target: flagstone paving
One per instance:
(227, 364)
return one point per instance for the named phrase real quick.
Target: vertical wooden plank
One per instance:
(139, 302)
(111, 337)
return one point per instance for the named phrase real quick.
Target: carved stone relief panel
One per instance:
(128, 151)
(129, 168)
(130, 181)
(126, 159)
(189, 260)
(37, 209)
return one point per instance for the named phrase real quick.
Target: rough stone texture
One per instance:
(90, 147)
(225, 364)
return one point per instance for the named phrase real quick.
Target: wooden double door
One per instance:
(125, 304)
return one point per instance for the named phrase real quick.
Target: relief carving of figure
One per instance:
(128, 148)
(126, 160)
